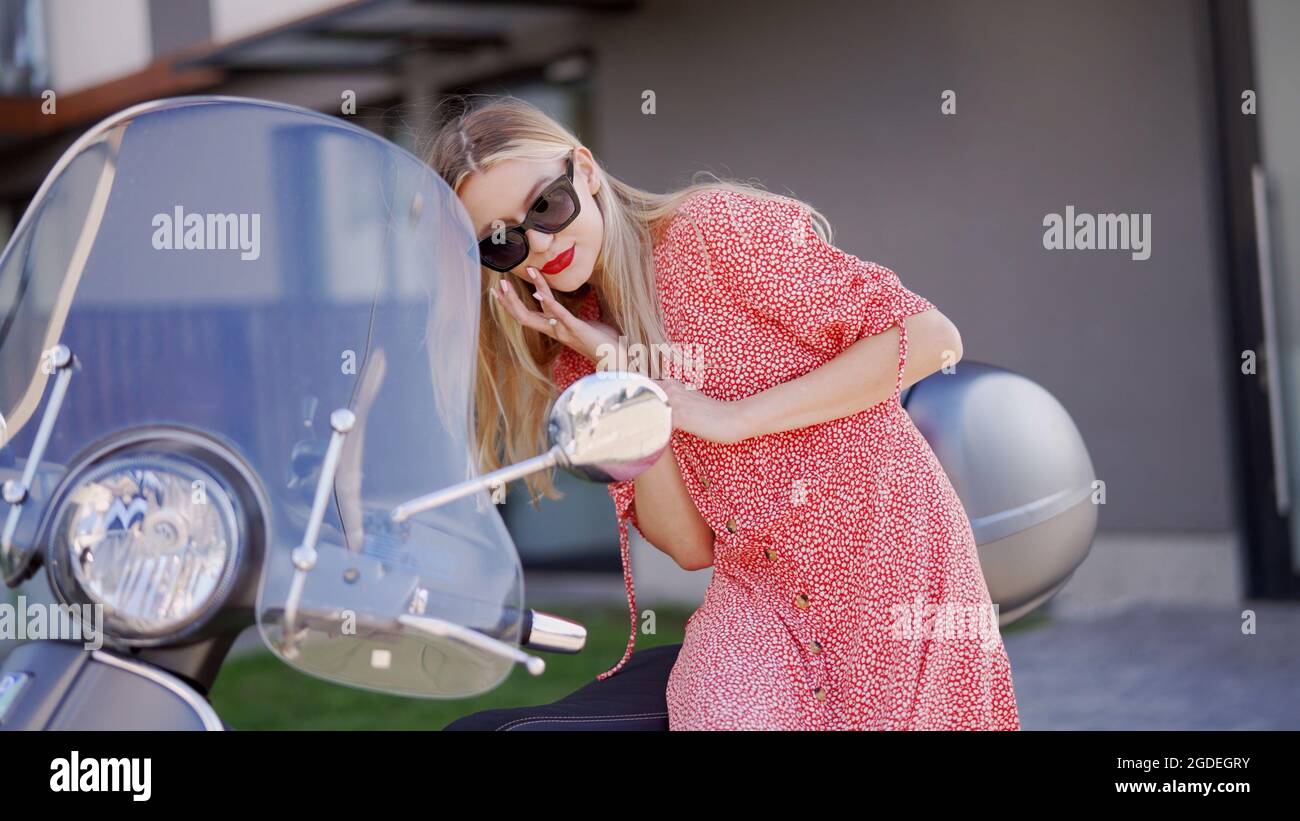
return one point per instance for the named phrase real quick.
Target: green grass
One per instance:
(260, 692)
(1031, 621)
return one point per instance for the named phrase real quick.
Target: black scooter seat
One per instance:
(631, 699)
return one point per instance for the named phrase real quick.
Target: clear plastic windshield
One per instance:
(244, 270)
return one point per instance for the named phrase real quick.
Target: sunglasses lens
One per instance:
(506, 254)
(555, 210)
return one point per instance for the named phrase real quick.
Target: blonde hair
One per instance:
(513, 387)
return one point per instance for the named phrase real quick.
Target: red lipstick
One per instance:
(559, 263)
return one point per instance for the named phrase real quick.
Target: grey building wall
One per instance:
(1097, 105)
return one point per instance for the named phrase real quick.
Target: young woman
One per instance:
(846, 591)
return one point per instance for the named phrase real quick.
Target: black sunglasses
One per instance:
(554, 208)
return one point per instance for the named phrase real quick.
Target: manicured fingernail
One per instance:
(538, 295)
(532, 272)
(504, 285)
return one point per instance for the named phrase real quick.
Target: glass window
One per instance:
(24, 67)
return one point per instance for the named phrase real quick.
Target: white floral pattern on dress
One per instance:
(831, 540)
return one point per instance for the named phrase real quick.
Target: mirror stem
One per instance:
(441, 628)
(546, 461)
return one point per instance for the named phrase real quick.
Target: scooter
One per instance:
(235, 367)
(237, 343)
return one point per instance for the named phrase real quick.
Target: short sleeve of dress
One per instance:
(767, 252)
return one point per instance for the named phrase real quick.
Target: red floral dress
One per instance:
(846, 590)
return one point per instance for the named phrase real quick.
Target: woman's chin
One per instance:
(568, 280)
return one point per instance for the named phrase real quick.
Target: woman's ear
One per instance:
(585, 164)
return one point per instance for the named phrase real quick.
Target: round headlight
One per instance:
(153, 537)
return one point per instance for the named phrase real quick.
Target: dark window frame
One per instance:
(1266, 561)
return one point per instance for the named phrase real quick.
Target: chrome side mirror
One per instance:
(606, 427)
(609, 427)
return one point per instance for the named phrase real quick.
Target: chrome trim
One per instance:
(200, 705)
(16, 494)
(611, 426)
(487, 481)
(555, 634)
(441, 628)
(605, 427)
(303, 556)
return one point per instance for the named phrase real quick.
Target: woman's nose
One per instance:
(539, 242)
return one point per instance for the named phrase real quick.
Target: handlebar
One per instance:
(551, 633)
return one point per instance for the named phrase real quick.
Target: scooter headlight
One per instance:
(153, 537)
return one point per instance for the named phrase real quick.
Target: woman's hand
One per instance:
(554, 319)
(711, 419)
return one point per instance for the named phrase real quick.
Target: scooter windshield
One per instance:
(304, 293)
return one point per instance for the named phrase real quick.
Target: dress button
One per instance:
(704, 481)
(814, 647)
(801, 601)
(820, 693)
(732, 527)
(770, 553)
